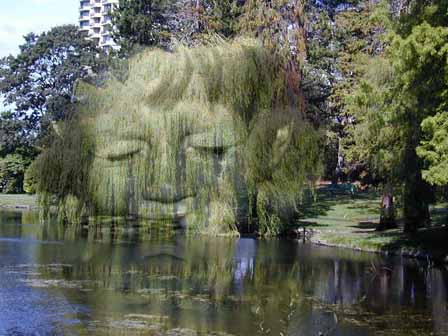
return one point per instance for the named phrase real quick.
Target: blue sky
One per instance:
(19, 17)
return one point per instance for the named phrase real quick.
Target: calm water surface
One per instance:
(57, 280)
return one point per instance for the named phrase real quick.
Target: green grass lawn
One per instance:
(341, 219)
(17, 201)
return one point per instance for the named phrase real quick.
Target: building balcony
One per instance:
(96, 40)
(84, 4)
(93, 35)
(108, 44)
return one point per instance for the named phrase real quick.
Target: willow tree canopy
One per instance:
(198, 137)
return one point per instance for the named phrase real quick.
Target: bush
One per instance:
(12, 171)
(30, 180)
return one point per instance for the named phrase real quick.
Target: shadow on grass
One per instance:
(328, 197)
(307, 223)
(426, 240)
(349, 220)
(370, 208)
(439, 217)
(367, 225)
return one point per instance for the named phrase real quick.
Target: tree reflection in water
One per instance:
(158, 282)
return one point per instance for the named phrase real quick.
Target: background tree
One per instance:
(140, 23)
(320, 66)
(197, 21)
(391, 108)
(341, 35)
(280, 25)
(38, 84)
(15, 135)
(434, 149)
(223, 16)
(16, 152)
(421, 94)
(372, 140)
(158, 23)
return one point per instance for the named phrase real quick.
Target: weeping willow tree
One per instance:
(205, 138)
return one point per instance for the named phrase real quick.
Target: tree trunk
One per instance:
(198, 24)
(417, 193)
(387, 220)
(416, 203)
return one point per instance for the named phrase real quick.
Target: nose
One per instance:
(165, 193)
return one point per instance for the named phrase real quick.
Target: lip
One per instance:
(163, 210)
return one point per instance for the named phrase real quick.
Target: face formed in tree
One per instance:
(168, 142)
(190, 138)
(176, 164)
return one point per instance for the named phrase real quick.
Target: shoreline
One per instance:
(415, 254)
(19, 207)
(340, 221)
(18, 202)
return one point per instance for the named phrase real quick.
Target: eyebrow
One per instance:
(127, 127)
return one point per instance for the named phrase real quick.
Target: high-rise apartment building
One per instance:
(95, 21)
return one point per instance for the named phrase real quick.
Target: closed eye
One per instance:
(215, 143)
(123, 156)
(218, 151)
(121, 150)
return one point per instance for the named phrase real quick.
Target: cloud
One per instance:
(11, 35)
(44, 2)
(8, 28)
(12, 32)
(25, 16)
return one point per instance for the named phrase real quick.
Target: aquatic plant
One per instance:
(205, 138)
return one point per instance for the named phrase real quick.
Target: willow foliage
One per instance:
(192, 137)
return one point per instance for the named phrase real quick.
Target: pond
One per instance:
(57, 280)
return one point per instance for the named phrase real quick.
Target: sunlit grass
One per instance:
(340, 219)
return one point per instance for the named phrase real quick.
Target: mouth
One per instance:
(174, 210)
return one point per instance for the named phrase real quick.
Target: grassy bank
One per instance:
(341, 219)
(21, 201)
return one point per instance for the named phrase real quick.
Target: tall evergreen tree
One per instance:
(399, 91)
